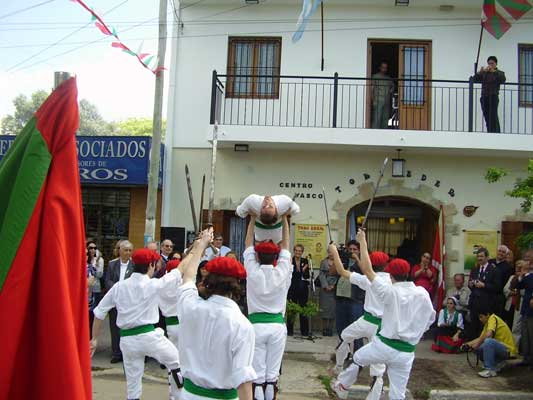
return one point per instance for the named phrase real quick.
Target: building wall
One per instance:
(203, 45)
(138, 216)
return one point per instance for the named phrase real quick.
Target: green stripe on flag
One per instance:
(23, 171)
(520, 7)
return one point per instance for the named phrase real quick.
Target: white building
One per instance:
(302, 128)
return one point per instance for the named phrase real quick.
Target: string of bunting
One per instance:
(148, 61)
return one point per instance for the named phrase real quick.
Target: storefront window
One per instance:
(107, 216)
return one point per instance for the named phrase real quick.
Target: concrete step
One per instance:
(476, 395)
(358, 392)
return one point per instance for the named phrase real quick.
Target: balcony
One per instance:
(431, 110)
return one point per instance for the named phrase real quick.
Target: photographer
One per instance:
(494, 346)
(490, 78)
(349, 298)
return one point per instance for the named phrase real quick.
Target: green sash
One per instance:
(228, 394)
(373, 320)
(399, 345)
(262, 226)
(137, 330)
(172, 321)
(266, 318)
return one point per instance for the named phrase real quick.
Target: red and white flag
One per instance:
(438, 257)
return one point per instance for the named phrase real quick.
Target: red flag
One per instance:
(44, 330)
(438, 257)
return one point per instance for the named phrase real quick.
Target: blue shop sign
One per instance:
(116, 160)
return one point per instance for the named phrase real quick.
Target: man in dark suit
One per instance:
(484, 284)
(117, 270)
(505, 271)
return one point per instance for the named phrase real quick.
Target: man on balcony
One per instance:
(490, 78)
(381, 95)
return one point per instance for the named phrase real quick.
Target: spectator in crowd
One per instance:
(511, 294)
(459, 292)
(159, 263)
(118, 269)
(425, 275)
(381, 97)
(232, 254)
(328, 280)
(505, 271)
(299, 289)
(490, 78)
(201, 274)
(349, 298)
(152, 246)
(217, 244)
(95, 268)
(176, 255)
(450, 326)
(116, 249)
(484, 284)
(166, 251)
(510, 257)
(494, 345)
(525, 282)
(514, 299)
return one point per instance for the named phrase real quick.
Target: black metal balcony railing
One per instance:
(344, 102)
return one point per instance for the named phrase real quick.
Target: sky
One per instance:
(34, 44)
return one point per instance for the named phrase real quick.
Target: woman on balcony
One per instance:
(490, 78)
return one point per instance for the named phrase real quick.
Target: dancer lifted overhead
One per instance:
(368, 325)
(407, 314)
(269, 270)
(136, 301)
(216, 340)
(268, 211)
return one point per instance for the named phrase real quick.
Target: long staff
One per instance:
(201, 216)
(191, 199)
(375, 191)
(327, 213)
(213, 170)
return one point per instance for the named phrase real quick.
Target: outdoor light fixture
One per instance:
(398, 166)
(392, 221)
(402, 3)
(401, 220)
(241, 147)
(251, 1)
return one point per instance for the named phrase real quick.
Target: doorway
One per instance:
(400, 226)
(409, 65)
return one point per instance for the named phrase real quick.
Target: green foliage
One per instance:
(91, 122)
(326, 382)
(525, 241)
(309, 310)
(522, 188)
(138, 127)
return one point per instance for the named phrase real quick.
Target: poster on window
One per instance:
(474, 240)
(313, 238)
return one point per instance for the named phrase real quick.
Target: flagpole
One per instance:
(322, 32)
(479, 48)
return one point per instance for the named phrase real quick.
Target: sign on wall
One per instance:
(117, 160)
(475, 240)
(313, 238)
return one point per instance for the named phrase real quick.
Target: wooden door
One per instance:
(414, 94)
(510, 232)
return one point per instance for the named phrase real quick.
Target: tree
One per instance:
(522, 188)
(91, 122)
(137, 127)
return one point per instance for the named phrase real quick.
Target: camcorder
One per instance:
(345, 255)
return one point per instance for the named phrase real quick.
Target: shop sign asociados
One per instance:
(108, 159)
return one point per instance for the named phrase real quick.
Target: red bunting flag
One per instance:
(43, 271)
(438, 257)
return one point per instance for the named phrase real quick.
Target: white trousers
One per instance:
(172, 333)
(152, 344)
(357, 330)
(398, 365)
(268, 352)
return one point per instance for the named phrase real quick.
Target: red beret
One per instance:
(144, 256)
(398, 266)
(172, 264)
(378, 258)
(267, 248)
(226, 266)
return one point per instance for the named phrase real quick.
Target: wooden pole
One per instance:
(478, 48)
(201, 216)
(213, 171)
(155, 150)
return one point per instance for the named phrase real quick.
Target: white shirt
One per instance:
(253, 203)
(451, 317)
(168, 298)
(407, 312)
(123, 268)
(209, 254)
(216, 340)
(136, 299)
(267, 286)
(373, 304)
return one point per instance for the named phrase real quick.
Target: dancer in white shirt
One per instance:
(269, 270)
(268, 211)
(216, 340)
(136, 301)
(366, 326)
(407, 313)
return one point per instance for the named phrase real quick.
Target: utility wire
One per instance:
(60, 40)
(25, 9)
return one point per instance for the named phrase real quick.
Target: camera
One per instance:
(345, 255)
(465, 348)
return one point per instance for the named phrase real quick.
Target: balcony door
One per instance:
(409, 62)
(414, 95)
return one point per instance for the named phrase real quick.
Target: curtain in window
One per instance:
(526, 75)
(266, 66)
(243, 65)
(387, 237)
(414, 68)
